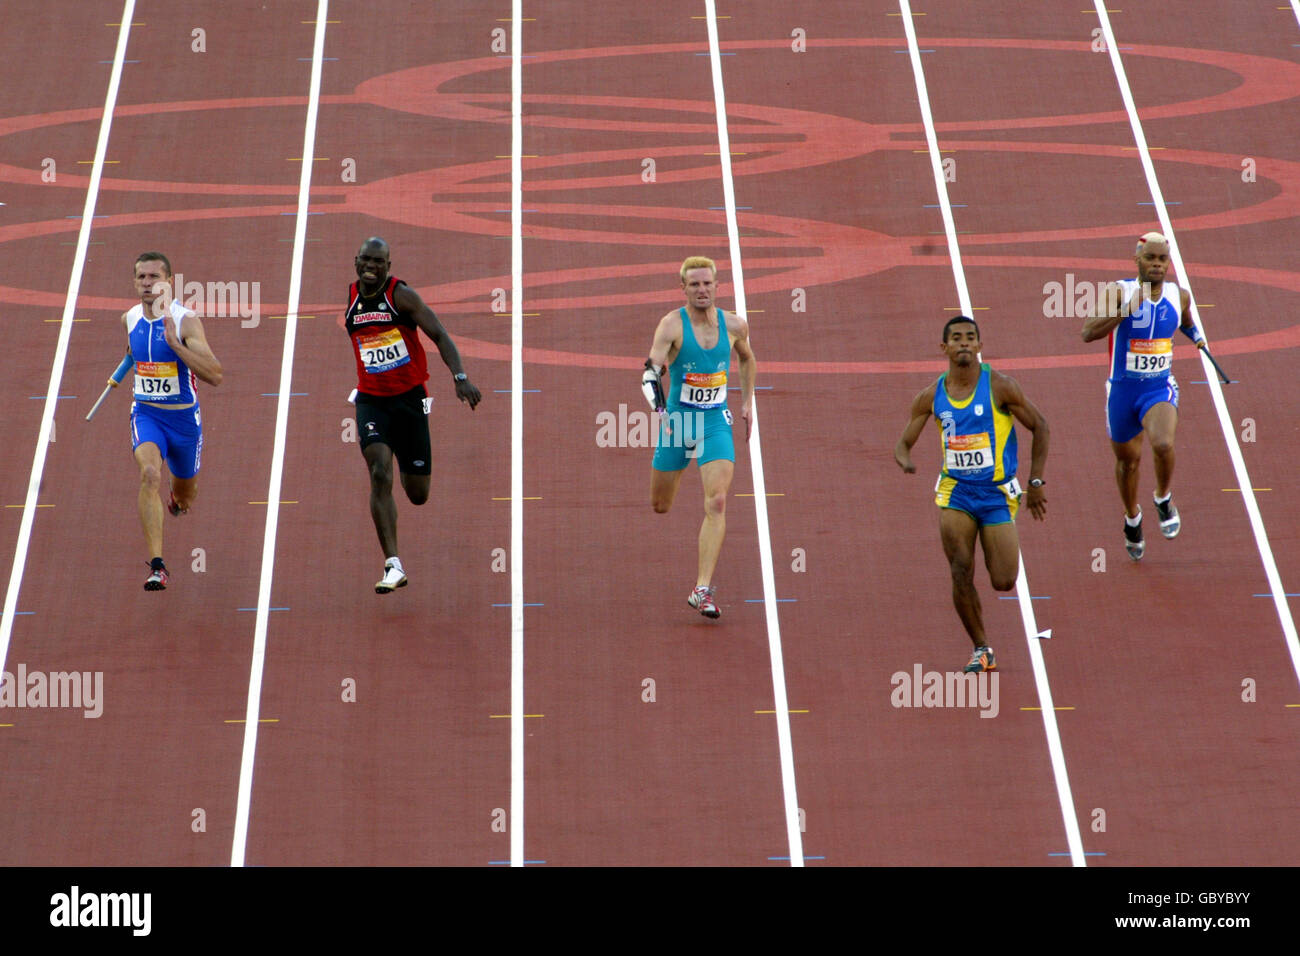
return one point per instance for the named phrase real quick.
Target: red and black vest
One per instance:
(386, 343)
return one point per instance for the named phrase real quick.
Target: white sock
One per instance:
(1161, 501)
(395, 562)
(1133, 522)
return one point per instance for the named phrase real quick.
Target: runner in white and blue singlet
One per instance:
(171, 355)
(978, 493)
(696, 342)
(1139, 317)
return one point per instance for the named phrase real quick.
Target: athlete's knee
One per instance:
(150, 476)
(381, 475)
(715, 503)
(417, 495)
(1162, 445)
(963, 570)
(661, 504)
(1003, 581)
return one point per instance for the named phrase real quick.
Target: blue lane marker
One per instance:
(507, 391)
(787, 858)
(918, 51)
(511, 210)
(307, 59)
(276, 394)
(124, 61)
(56, 397)
(507, 862)
(1067, 853)
(1032, 597)
(1167, 204)
(724, 207)
(720, 54)
(935, 205)
(778, 600)
(757, 388)
(1287, 594)
(24, 612)
(1231, 381)
(92, 217)
(526, 605)
(282, 214)
(254, 609)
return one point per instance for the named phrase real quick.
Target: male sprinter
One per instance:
(170, 353)
(696, 341)
(384, 319)
(977, 488)
(1140, 316)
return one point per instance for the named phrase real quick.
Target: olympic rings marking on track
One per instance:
(802, 252)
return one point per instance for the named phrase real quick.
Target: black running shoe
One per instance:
(1170, 523)
(1133, 542)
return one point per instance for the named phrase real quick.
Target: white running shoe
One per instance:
(393, 579)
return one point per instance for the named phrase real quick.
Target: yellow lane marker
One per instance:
(1252, 489)
(507, 716)
(262, 720)
(538, 498)
(1054, 708)
(267, 502)
(60, 320)
(23, 506)
(770, 494)
(91, 162)
(773, 712)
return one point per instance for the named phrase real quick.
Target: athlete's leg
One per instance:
(1001, 554)
(383, 509)
(717, 481)
(1160, 421)
(185, 490)
(663, 488)
(416, 487)
(149, 460)
(957, 529)
(1128, 455)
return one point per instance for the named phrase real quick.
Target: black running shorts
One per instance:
(399, 422)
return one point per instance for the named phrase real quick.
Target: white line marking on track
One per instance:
(784, 741)
(1295, 8)
(1073, 837)
(1216, 390)
(251, 716)
(516, 437)
(65, 335)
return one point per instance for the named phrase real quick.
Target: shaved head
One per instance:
(374, 245)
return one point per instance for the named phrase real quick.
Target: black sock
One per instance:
(157, 565)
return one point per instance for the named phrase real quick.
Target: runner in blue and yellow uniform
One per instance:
(696, 342)
(1140, 317)
(171, 355)
(977, 490)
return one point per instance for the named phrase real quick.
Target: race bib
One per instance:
(1011, 488)
(1148, 357)
(704, 389)
(968, 452)
(382, 350)
(156, 380)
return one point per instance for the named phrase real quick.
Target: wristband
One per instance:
(1194, 333)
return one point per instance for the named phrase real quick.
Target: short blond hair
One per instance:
(698, 262)
(1149, 237)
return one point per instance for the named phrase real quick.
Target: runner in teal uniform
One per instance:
(977, 490)
(695, 424)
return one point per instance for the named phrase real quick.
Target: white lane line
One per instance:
(242, 809)
(65, 335)
(784, 742)
(1057, 753)
(1295, 8)
(516, 437)
(1211, 376)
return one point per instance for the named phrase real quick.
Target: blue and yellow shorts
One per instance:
(987, 503)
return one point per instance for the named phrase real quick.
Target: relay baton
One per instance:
(113, 382)
(1222, 374)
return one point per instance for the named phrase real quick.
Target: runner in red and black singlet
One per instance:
(383, 320)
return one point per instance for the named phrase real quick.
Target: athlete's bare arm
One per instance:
(1187, 321)
(193, 348)
(668, 339)
(1109, 311)
(408, 302)
(1007, 394)
(738, 329)
(918, 416)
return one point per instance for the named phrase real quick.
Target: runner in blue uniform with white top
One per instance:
(170, 354)
(1140, 317)
(976, 409)
(695, 425)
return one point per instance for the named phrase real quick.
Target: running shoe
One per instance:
(1133, 542)
(1170, 523)
(981, 660)
(175, 509)
(157, 580)
(702, 599)
(393, 579)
